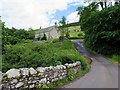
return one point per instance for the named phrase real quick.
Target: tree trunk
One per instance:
(105, 4)
(101, 4)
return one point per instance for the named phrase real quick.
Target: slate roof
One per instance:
(48, 29)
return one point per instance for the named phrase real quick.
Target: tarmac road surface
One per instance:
(103, 73)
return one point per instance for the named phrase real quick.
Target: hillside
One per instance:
(74, 30)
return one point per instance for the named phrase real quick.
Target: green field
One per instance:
(74, 31)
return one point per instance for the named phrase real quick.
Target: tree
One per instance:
(86, 11)
(2, 24)
(67, 34)
(101, 29)
(116, 3)
(13, 36)
(79, 9)
(63, 22)
(103, 3)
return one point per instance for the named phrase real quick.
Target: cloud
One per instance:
(32, 13)
(73, 17)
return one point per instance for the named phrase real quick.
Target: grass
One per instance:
(75, 32)
(114, 58)
(74, 28)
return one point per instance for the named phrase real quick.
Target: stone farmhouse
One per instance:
(51, 32)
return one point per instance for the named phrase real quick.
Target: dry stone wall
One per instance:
(30, 77)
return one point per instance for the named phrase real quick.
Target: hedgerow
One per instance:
(102, 30)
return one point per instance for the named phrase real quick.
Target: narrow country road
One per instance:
(103, 73)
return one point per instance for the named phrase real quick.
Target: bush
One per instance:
(67, 35)
(38, 55)
(42, 86)
(73, 38)
(61, 38)
(81, 35)
(102, 31)
(70, 75)
(55, 40)
(14, 36)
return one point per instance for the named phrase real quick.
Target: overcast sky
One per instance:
(36, 13)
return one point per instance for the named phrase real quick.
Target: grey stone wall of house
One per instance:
(29, 77)
(51, 33)
(55, 33)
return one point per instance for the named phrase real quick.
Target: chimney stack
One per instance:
(56, 25)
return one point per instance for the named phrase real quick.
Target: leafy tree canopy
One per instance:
(102, 30)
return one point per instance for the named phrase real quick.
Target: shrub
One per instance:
(55, 40)
(102, 31)
(73, 38)
(61, 38)
(67, 35)
(38, 55)
(42, 86)
(81, 35)
(14, 36)
(70, 75)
